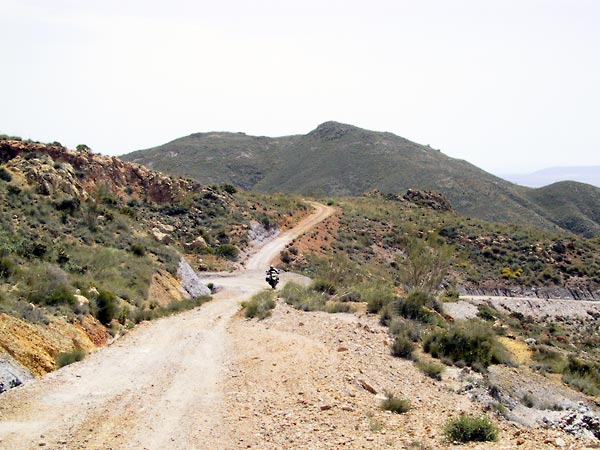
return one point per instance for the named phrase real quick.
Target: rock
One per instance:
(159, 236)
(12, 374)
(366, 386)
(197, 244)
(190, 281)
(81, 299)
(342, 349)
(560, 443)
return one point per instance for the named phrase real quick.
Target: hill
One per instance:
(90, 244)
(544, 177)
(337, 159)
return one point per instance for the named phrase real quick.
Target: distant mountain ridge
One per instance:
(338, 159)
(545, 177)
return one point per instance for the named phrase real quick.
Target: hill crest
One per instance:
(337, 159)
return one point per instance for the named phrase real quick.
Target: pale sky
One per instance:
(510, 86)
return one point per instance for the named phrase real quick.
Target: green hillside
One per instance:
(337, 159)
(74, 222)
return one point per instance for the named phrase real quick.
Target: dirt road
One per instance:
(159, 387)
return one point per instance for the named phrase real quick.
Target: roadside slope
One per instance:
(159, 387)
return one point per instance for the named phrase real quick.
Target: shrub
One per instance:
(7, 268)
(403, 327)
(107, 305)
(403, 347)
(548, 360)
(229, 188)
(486, 313)
(472, 342)
(468, 429)
(322, 285)
(66, 358)
(138, 249)
(62, 295)
(377, 297)
(425, 266)
(285, 257)
(582, 375)
(260, 305)
(431, 369)
(338, 307)
(417, 306)
(228, 251)
(302, 298)
(395, 404)
(68, 204)
(5, 174)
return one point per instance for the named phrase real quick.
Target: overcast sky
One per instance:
(511, 86)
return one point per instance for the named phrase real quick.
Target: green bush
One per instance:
(138, 249)
(548, 360)
(377, 297)
(486, 313)
(322, 285)
(259, 305)
(228, 251)
(400, 326)
(417, 306)
(582, 375)
(431, 369)
(62, 295)
(472, 342)
(403, 347)
(395, 404)
(229, 188)
(468, 429)
(302, 298)
(107, 307)
(66, 358)
(7, 267)
(5, 174)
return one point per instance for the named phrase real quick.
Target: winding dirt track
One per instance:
(159, 387)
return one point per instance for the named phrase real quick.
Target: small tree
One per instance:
(83, 148)
(425, 266)
(108, 309)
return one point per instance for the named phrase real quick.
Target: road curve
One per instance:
(159, 387)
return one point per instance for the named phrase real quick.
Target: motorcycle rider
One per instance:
(272, 271)
(272, 277)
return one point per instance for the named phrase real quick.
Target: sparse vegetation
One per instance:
(430, 368)
(395, 404)
(468, 429)
(403, 347)
(470, 342)
(66, 358)
(260, 305)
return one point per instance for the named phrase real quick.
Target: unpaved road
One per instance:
(159, 387)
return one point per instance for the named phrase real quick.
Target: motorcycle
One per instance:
(272, 279)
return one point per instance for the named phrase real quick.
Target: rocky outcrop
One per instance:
(79, 173)
(12, 374)
(190, 280)
(543, 292)
(34, 346)
(429, 199)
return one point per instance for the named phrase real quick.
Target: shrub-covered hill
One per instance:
(372, 235)
(84, 234)
(338, 159)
